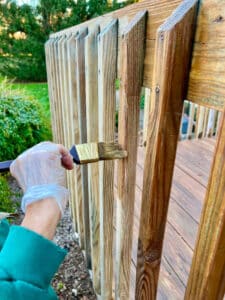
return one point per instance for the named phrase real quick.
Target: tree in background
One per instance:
(24, 30)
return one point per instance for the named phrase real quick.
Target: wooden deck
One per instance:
(192, 168)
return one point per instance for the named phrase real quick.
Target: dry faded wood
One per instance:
(81, 103)
(147, 107)
(75, 134)
(91, 67)
(172, 58)
(207, 276)
(51, 84)
(207, 77)
(58, 89)
(132, 58)
(107, 61)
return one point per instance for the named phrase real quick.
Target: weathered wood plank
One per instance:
(107, 62)
(81, 103)
(51, 85)
(207, 276)
(75, 134)
(91, 80)
(172, 58)
(132, 59)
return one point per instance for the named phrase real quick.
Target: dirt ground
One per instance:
(72, 281)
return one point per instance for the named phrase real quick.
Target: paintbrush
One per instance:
(93, 152)
(86, 153)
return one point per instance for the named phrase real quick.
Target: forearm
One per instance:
(42, 217)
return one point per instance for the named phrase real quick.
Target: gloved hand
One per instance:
(40, 172)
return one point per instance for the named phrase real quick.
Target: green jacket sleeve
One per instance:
(28, 262)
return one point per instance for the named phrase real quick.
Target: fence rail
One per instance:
(83, 64)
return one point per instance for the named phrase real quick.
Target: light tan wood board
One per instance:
(91, 81)
(107, 62)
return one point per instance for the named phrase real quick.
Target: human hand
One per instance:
(40, 171)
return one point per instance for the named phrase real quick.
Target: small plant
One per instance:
(22, 122)
(6, 203)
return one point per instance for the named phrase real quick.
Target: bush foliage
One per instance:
(24, 30)
(6, 203)
(22, 123)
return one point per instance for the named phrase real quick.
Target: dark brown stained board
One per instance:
(132, 58)
(207, 77)
(172, 59)
(187, 196)
(207, 277)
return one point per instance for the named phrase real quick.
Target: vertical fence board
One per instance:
(107, 62)
(58, 89)
(207, 276)
(91, 68)
(72, 110)
(81, 97)
(172, 59)
(51, 85)
(132, 59)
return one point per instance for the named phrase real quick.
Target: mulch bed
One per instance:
(72, 281)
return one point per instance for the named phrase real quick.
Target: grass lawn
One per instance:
(38, 91)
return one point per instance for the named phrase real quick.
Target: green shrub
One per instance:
(6, 203)
(22, 123)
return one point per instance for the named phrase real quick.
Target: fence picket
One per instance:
(132, 59)
(172, 59)
(81, 102)
(107, 62)
(91, 68)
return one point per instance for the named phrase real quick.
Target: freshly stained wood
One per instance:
(207, 77)
(91, 81)
(207, 276)
(172, 60)
(81, 103)
(107, 61)
(132, 58)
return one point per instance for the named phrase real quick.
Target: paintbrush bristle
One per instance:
(107, 151)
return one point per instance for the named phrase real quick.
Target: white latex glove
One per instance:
(40, 172)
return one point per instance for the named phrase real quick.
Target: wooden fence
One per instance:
(148, 44)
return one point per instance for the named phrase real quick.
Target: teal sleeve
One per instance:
(28, 262)
(4, 230)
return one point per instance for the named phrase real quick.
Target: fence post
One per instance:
(172, 60)
(207, 276)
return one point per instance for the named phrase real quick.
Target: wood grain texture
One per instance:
(207, 77)
(81, 104)
(74, 133)
(51, 85)
(91, 81)
(207, 276)
(206, 85)
(172, 59)
(107, 62)
(132, 59)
